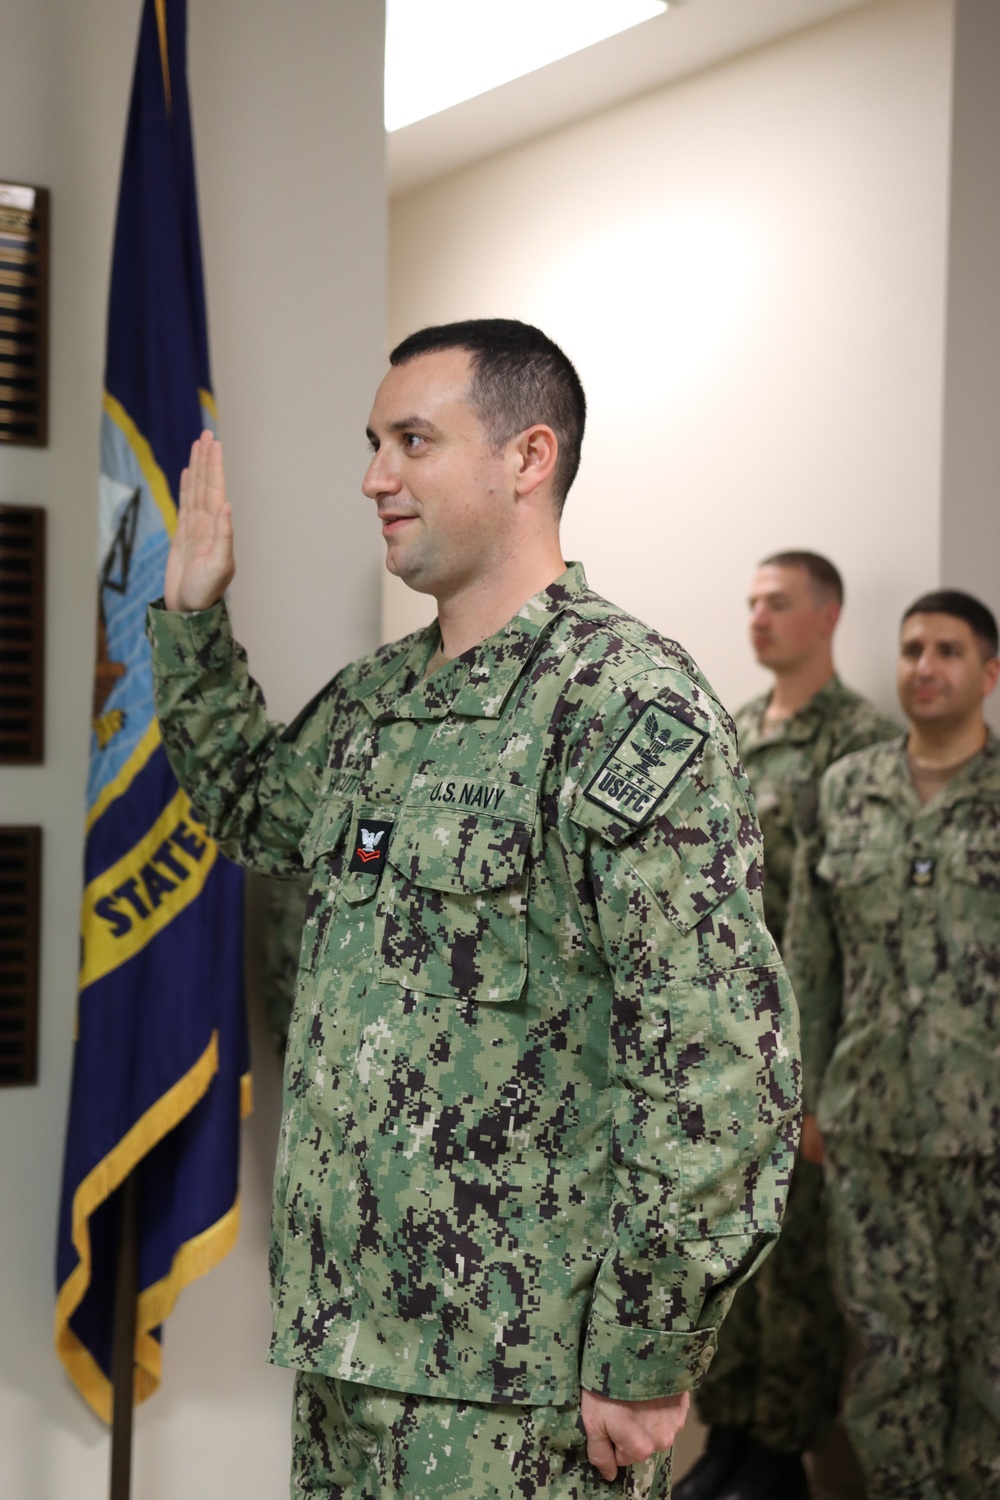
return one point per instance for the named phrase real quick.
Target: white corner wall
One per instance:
(749, 270)
(288, 131)
(970, 522)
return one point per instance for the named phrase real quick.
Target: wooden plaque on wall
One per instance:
(22, 634)
(24, 314)
(20, 926)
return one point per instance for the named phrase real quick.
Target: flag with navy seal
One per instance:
(160, 1062)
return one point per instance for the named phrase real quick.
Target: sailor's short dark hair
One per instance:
(980, 620)
(519, 377)
(820, 569)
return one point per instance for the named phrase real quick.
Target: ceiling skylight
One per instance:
(439, 52)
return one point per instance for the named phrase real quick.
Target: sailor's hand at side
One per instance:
(201, 564)
(620, 1433)
(811, 1144)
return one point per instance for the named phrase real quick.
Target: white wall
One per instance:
(288, 126)
(749, 270)
(290, 145)
(970, 530)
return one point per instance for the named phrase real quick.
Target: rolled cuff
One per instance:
(628, 1363)
(177, 638)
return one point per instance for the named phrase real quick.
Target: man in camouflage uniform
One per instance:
(540, 1083)
(774, 1387)
(894, 942)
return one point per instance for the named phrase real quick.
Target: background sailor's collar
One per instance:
(887, 775)
(478, 683)
(799, 727)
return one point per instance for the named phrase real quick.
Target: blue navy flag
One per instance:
(160, 1077)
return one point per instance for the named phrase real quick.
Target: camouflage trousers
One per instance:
(357, 1442)
(778, 1369)
(917, 1254)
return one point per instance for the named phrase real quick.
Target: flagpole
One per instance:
(123, 1351)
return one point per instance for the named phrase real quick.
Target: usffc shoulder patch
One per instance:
(645, 763)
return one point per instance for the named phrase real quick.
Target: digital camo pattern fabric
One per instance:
(894, 945)
(357, 1442)
(284, 918)
(784, 763)
(542, 1076)
(919, 1269)
(778, 1369)
(894, 938)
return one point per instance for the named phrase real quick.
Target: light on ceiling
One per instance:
(439, 52)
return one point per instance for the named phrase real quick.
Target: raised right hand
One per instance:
(201, 564)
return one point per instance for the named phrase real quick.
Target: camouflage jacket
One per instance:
(894, 940)
(541, 1079)
(784, 763)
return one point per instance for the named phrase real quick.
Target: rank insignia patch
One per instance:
(921, 872)
(644, 764)
(370, 845)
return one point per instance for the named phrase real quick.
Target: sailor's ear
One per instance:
(536, 453)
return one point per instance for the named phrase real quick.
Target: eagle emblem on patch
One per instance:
(370, 845)
(634, 779)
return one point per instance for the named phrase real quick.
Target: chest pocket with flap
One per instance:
(453, 904)
(846, 868)
(977, 863)
(326, 854)
(866, 887)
